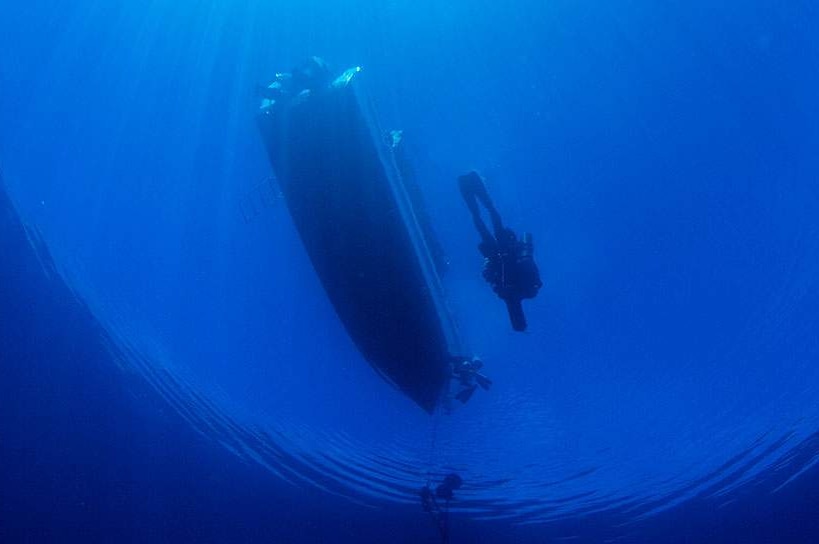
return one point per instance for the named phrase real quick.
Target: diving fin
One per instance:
(483, 381)
(466, 394)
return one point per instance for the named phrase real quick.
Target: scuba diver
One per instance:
(509, 266)
(430, 502)
(466, 371)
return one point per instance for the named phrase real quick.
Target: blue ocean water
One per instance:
(173, 372)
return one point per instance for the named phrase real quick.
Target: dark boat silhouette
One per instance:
(361, 228)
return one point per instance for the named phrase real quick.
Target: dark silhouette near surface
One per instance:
(467, 372)
(509, 265)
(431, 502)
(361, 219)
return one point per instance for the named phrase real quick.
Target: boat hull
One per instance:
(357, 223)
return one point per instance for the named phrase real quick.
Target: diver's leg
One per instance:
(473, 191)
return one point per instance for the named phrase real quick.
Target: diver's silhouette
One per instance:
(430, 502)
(509, 266)
(467, 372)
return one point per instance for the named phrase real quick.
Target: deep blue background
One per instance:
(662, 155)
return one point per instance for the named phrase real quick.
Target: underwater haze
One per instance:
(171, 369)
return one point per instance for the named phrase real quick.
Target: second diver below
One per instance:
(509, 265)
